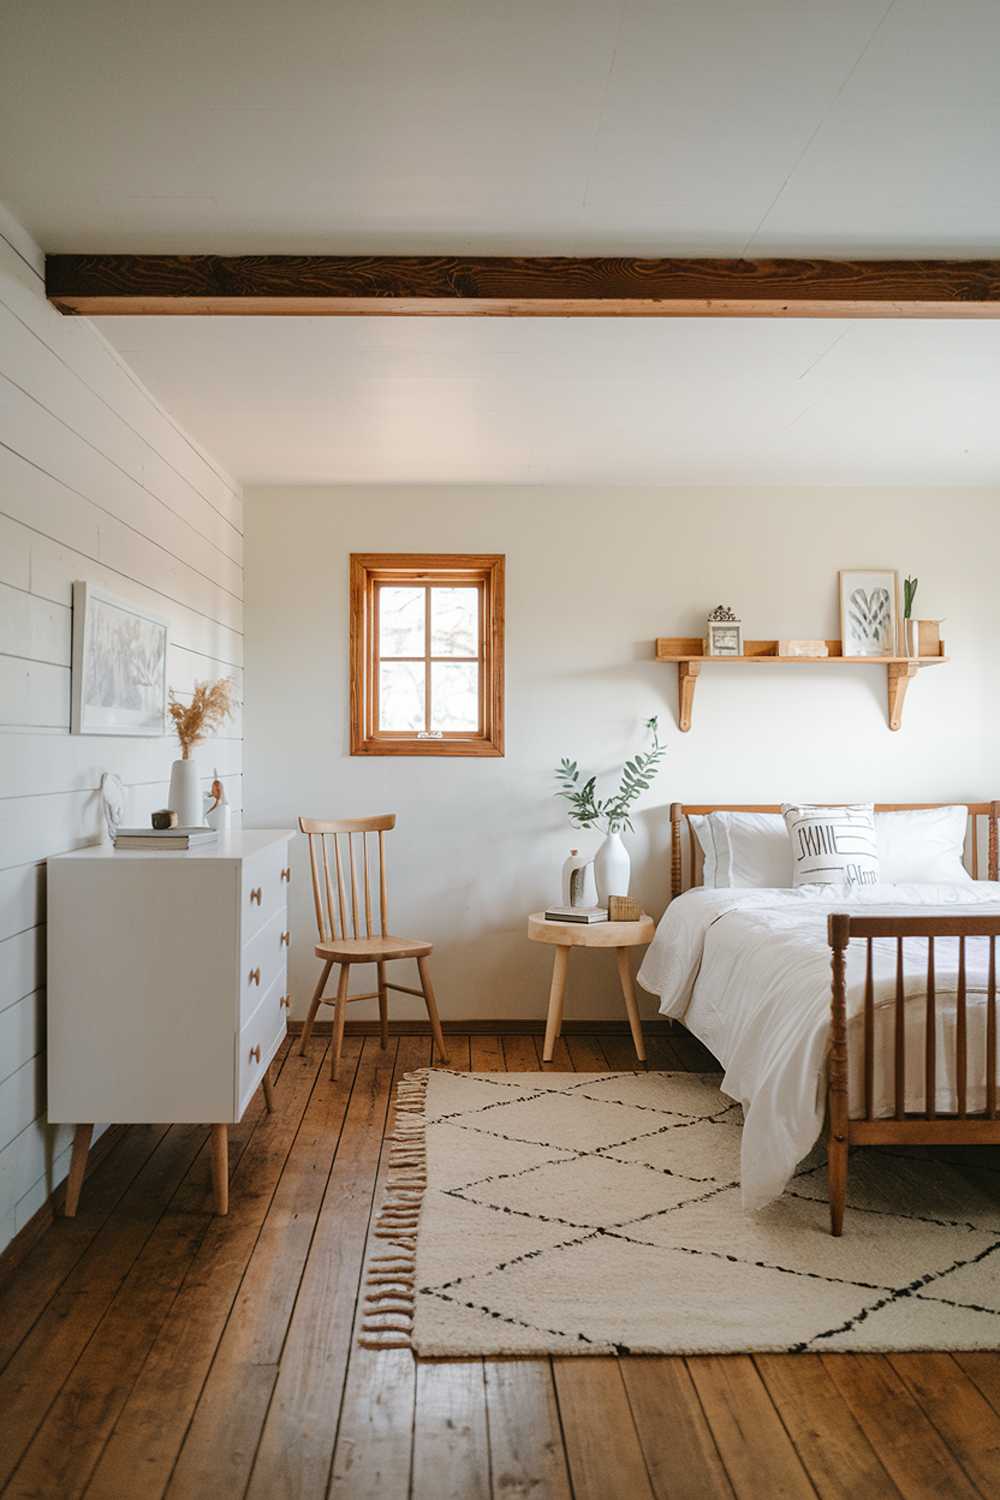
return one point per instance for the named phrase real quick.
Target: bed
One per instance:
(873, 1015)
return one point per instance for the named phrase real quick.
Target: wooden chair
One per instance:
(338, 945)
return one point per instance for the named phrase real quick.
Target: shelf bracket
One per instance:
(898, 676)
(687, 679)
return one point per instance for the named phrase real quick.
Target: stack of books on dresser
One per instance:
(165, 838)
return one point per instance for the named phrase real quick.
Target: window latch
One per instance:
(430, 734)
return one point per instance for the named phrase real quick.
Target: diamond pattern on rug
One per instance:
(600, 1213)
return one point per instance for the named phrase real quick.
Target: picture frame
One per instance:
(119, 673)
(724, 638)
(869, 611)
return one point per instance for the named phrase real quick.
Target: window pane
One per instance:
(455, 695)
(401, 695)
(454, 622)
(401, 621)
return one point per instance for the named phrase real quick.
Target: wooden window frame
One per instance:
(370, 570)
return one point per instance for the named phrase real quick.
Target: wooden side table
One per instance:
(566, 935)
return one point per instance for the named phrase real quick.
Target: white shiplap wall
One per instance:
(97, 483)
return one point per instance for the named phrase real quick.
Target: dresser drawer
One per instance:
(263, 961)
(264, 888)
(259, 1040)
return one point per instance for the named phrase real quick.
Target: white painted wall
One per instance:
(592, 577)
(96, 483)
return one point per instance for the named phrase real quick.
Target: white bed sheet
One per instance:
(748, 973)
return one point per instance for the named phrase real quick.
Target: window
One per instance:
(426, 654)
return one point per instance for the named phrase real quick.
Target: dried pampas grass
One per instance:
(210, 707)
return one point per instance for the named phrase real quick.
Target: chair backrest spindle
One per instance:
(383, 889)
(368, 893)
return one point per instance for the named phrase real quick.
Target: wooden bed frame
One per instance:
(926, 1127)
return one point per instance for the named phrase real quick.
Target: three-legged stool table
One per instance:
(621, 936)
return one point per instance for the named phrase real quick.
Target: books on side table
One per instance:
(164, 838)
(585, 914)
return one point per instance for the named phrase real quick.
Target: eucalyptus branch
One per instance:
(610, 815)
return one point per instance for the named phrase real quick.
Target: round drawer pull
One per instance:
(255, 1053)
(256, 894)
(284, 940)
(286, 1001)
(254, 975)
(286, 873)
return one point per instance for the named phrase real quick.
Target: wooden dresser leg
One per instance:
(432, 1010)
(220, 1167)
(557, 996)
(631, 1007)
(77, 1167)
(268, 1091)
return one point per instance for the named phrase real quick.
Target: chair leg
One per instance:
(314, 1006)
(432, 1010)
(383, 1007)
(836, 1177)
(268, 1092)
(77, 1167)
(339, 1017)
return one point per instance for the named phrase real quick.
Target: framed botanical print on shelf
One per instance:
(869, 611)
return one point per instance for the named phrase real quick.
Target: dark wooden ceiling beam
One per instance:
(520, 286)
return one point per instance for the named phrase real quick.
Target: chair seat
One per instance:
(372, 949)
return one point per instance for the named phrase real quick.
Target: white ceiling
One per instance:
(862, 127)
(540, 400)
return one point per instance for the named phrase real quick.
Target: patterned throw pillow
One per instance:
(832, 845)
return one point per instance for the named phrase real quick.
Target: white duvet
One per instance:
(748, 973)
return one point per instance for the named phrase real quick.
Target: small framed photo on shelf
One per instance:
(869, 611)
(723, 633)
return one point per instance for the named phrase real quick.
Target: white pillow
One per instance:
(752, 849)
(924, 845)
(833, 845)
(744, 849)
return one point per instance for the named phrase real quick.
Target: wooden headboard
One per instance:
(680, 814)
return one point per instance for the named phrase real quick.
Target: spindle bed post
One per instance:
(838, 932)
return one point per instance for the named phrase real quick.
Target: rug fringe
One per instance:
(390, 1281)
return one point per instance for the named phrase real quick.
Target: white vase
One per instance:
(612, 868)
(911, 638)
(185, 794)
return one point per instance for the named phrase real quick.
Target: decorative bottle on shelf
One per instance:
(185, 793)
(578, 885)
(613, 868)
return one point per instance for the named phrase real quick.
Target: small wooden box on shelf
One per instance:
(688, 654)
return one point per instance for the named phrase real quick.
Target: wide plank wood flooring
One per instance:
(150, 1349)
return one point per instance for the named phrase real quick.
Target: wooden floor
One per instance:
(149, 1348)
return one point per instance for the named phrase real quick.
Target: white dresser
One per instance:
(167, 994)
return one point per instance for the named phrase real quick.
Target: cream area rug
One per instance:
(569, 1213)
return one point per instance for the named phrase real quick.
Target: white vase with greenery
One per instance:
(610, 815)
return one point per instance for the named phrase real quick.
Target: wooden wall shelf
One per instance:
(689, 654)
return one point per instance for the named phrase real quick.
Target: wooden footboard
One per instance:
(926, 1127)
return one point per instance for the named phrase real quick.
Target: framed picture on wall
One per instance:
(869, 611)
(119, 678)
